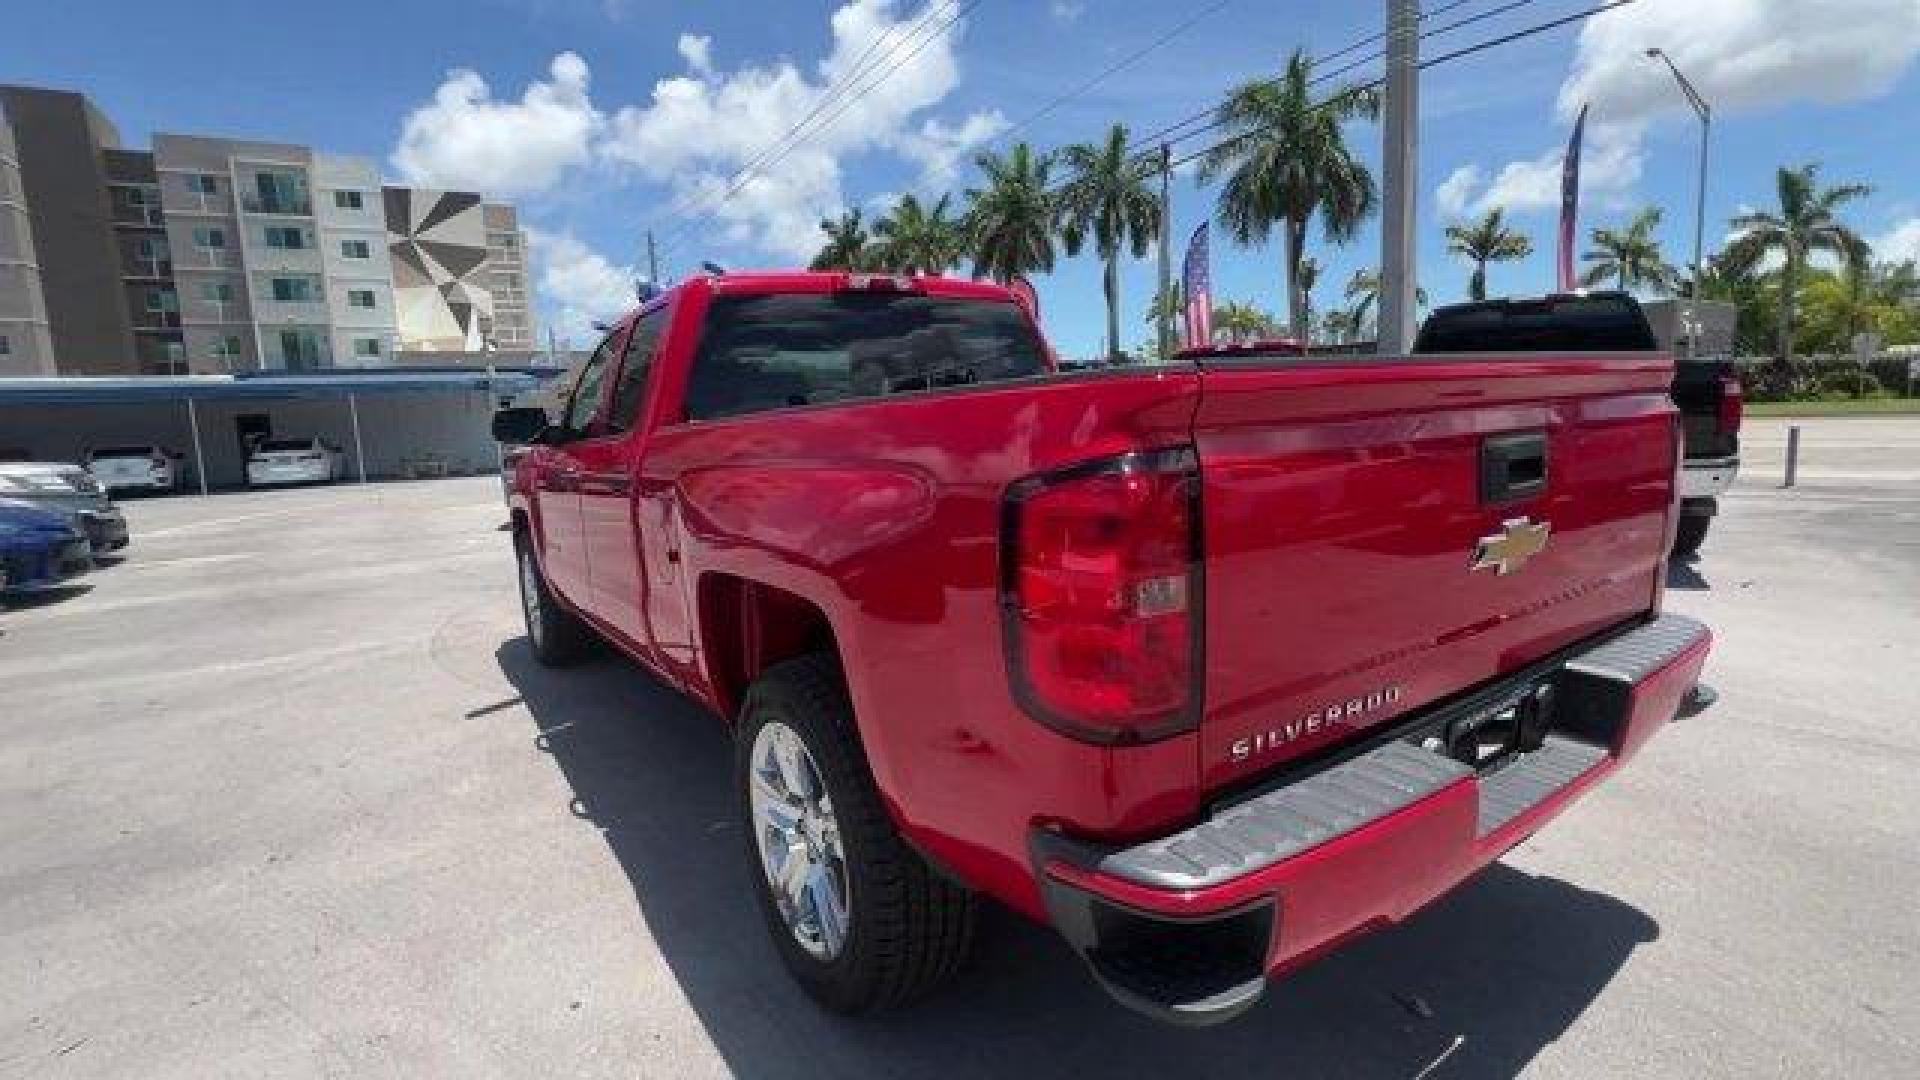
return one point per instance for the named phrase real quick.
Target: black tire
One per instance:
(1690, 535)
(908, 928)
(557, 636)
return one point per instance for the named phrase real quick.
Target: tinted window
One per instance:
(586, 392)
(123, 451)
(1604, 322)
(774, 351)
(636, 367)
(280, 446)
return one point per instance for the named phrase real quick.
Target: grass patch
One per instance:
(1848, 407)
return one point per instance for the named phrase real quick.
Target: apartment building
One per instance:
(219, 255)
(26, 347)
(58, 153)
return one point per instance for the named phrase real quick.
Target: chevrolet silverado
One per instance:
(1211, 666)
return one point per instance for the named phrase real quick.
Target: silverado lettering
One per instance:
(977, 629)
(1313, 721)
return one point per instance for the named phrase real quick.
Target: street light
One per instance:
(1705, 112)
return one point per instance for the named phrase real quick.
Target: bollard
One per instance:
(1793, 453)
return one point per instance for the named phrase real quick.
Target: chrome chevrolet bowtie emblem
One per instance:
(1518, 540)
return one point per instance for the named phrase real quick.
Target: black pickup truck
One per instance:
(1705, 390)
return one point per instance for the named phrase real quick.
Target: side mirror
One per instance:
(522, 425)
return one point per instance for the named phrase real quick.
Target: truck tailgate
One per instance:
(1345, 512)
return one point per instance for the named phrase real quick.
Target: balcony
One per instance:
(270, 312)
(201, 312)
(256, 203)
(135, 266)
(199, 258)
(156, 321)
(138, 216)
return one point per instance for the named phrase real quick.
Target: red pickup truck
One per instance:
(1211, 666)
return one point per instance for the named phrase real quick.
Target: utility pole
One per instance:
(1165, 321)
(653, 262)
(1401, 153)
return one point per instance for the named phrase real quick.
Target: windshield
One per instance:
(779, 350)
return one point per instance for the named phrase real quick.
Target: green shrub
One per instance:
(1848, 383)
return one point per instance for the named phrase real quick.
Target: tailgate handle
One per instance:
(1513, 467)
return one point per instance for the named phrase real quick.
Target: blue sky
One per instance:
(601, 118)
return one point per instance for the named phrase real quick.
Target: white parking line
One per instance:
(185, 560)
(210, 524)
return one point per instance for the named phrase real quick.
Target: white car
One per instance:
(147, 467)
(295, 461)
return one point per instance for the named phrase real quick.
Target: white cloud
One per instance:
(1457, 192)
(1899, 243)
(697, 50)
(579, 284)
(1742, 55)
(465, 138)
(701, 129)
(939, 147)
(1066, 12)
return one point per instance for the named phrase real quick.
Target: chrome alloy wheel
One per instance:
(530, 598)
(799, 840)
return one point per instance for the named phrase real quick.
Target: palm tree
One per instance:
(1630, 257)
(1108, 201)
(1309, 281)
(846, 246)
(1009, 222)
(1286, 160)
(1805, 223)
(1240, 322)
(1487, 240)
(917, 239)
(1363, 292)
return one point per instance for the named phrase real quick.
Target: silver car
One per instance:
(70, 490)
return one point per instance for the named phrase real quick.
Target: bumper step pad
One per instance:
(1285, 822)
(1528, 781)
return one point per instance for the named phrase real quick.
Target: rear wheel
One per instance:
(861, 920)
(557, 635)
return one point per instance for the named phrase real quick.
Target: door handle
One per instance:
(1513, 467)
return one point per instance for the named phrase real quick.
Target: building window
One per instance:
(162, 300)
(289, 237)
(216, 292)
(502, 240)
(6, 345)
(203, 184)
(208, 237)
(279, 193)
(151, 247)
(360, 298)
(226, 347)
(354, 249)
(347, 200)
(136, 196)
(366, 346)
(292, 290)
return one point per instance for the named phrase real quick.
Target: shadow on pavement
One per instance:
(1484, 979)
(1682, 575)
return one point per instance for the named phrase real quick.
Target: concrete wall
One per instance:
(28, 345)
(366, 226)
(58, 137)
(396, 429)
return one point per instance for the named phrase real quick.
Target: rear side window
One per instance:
(586, 392)
(1604, 322)
(780, 350)
(636, 368)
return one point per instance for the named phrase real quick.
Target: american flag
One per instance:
(1198, 283)
(1570, 201)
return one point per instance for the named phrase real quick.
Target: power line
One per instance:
(1120, 65)
(1436, 61)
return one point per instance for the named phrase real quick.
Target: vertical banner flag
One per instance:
(1570, 201)
(1198, 286)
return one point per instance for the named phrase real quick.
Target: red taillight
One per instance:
(1732, 404)
(1102, 595)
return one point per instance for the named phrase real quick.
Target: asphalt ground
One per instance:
(283, 794)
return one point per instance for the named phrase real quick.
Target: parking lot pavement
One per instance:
(282, 794)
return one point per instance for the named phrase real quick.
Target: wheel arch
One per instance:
(746, 626)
